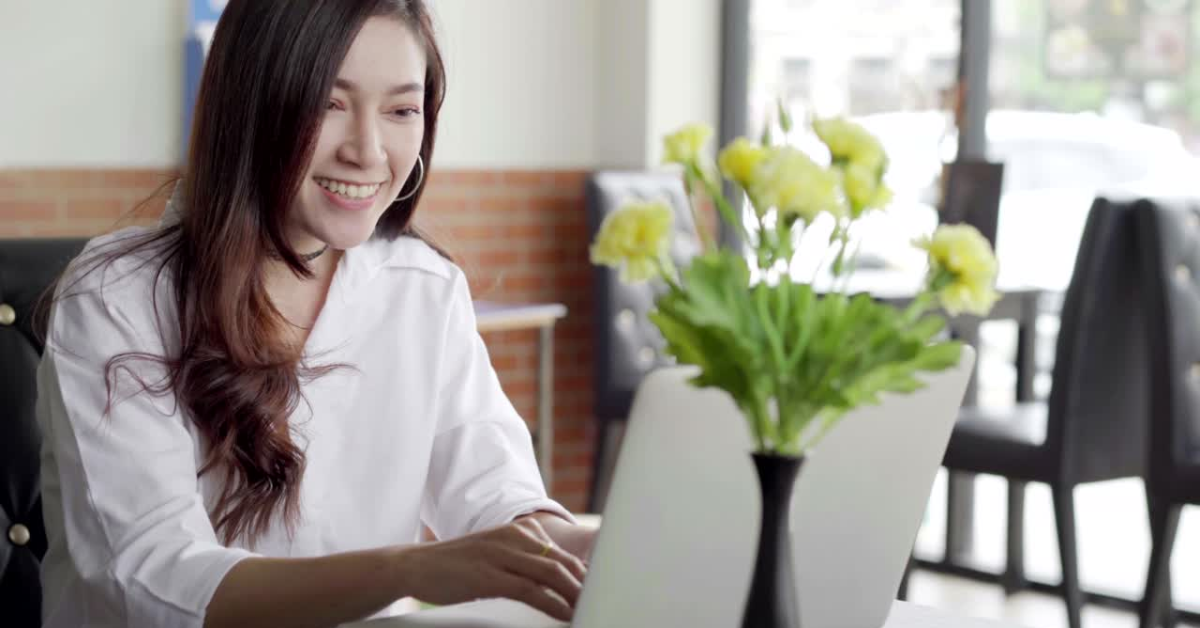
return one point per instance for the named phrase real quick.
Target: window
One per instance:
(887, 64)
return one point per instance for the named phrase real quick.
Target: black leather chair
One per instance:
(627, 345)
(1170, 246)
(973, 191)
(1093, 427)
(27, 267)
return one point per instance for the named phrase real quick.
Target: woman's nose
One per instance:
(363, 145)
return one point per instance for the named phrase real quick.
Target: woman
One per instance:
(250, 411)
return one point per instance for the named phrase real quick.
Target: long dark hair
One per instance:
(262, 98)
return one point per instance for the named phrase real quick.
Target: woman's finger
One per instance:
(535, 540)
(526, 591)
(546, 572)
(568, 560)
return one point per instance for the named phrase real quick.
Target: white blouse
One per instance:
(418, 432)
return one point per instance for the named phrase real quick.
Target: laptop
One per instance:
(680, 528)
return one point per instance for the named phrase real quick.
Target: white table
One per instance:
(507, 614)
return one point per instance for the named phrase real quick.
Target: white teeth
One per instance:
(349, 191)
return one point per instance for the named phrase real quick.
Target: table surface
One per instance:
(508, 614)
(493, 316)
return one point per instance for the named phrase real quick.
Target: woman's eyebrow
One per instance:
(405, 88)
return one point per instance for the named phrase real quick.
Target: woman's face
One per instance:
(369, 140)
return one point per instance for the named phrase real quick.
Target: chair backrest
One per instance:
(628, 345)
(973, 190)
(1098, 403)
(1170, 247)
(27, 268)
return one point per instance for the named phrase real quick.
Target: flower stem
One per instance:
(918, 306)
(667, 269)
(706, 241)
(721, 202)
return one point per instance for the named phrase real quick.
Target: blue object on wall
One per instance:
(202, 21)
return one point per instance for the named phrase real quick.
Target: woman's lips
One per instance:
(352, 204)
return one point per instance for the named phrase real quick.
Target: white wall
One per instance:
(533, 84)
(88, 83)
(684, 64)
(622, 80)
(522, 88)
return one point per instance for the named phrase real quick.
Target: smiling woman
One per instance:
(252, 410)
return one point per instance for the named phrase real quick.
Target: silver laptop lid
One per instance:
(681, 522)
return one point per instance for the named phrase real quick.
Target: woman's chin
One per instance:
(347, 238)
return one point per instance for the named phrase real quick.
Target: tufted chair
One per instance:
(1093, 427)
(973, 190)
(27, 267)
(627, 344)
(1170, 248)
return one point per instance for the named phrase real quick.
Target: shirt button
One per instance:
(8, 315)
(19, 535)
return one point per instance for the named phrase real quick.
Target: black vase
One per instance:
(772, 599)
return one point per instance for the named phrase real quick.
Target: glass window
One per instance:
(1086, 96)
(887, 64)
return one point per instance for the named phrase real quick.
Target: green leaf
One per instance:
(801, 322)
(761, 297)
(712, 324)
(815, 357)
(939, 357)
(928, 327)
(785, 118)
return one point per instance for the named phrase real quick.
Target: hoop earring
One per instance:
(420, 179)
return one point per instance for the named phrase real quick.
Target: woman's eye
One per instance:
(333, 105)
(407, 112)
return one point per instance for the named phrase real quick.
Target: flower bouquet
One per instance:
(793, 355)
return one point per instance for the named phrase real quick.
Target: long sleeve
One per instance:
(482, 471)
(131, 541)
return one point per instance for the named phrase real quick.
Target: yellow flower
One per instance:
(848, 141)
(962, 269)
(883, 196)
(739, 160)
(635, 238)
(791, 182)
(864, 188)
(684, 146)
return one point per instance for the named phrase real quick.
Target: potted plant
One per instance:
(795, 357)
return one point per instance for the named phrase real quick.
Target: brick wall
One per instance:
(48, 203)
(520, 236)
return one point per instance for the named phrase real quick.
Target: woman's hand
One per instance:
(576, 539)
(519, 561)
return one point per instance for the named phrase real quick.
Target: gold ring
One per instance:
(546, 549)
